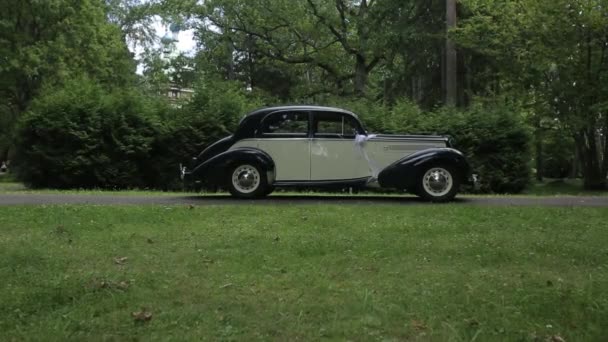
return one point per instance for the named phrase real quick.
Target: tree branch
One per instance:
(341, 38)
(373, 63)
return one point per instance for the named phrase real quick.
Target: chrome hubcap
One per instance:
(437, 181)
(246, 179)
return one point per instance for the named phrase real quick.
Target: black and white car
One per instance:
(311, 146)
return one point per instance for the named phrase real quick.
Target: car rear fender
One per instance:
(404, 173)
(215, 169)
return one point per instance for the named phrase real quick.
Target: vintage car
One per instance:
(322, 147)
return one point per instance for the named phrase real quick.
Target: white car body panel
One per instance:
(291, 156)
(319, 159)
(336, 159)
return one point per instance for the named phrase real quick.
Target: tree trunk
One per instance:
(539, 152)
(451, 57)
(575, 164)
(361, 76)
(593, 176)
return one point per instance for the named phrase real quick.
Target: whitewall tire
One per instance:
(247, 180)
(438, 183)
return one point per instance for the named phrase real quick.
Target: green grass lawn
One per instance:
(445, 272)
(555, 187)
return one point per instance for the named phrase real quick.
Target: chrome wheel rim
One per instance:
(437, 182)
(246, 179)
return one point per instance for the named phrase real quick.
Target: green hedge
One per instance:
(493, 135)
(213, 113)
(83, 136)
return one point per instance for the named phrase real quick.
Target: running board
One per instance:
(345, 183)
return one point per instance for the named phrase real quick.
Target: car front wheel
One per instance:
(247, 181)
(438, 184)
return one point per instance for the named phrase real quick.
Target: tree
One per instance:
(159, 73)
(49, 41)
(451, 57)
(135, 20)
(555, 49)
(343, 40)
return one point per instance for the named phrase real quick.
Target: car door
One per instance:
(333, 154)
(284, 135)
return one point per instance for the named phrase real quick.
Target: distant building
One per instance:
(177, 93)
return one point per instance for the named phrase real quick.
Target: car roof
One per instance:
(267, 110)
(248, 124)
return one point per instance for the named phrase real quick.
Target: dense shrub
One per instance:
(83, 136)
(494, 136)
(497, 141)
(558, 153)
(213, 113)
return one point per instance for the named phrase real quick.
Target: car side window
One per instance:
(335, 125)
(285, 123)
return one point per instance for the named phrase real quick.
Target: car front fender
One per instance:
(404, 173)
(214, 170)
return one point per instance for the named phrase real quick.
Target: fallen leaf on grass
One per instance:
(97, 284)
(555, 338)
(121, 260)
(419, 325)
(472, 322)
(141, 316)
(60, 230)
(123, 285)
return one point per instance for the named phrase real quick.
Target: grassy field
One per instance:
(283, 273)
(551, 187)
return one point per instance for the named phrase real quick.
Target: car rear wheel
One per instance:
(438, 183)
(247, 180)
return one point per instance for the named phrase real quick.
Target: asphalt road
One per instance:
(106, 199)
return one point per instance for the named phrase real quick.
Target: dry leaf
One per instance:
(142, 316)
(121, 260)
(472, 322)
(419, 325)
(98, 284)
(123, 285)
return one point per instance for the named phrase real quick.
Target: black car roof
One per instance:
(248, 124)
(266, 110)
